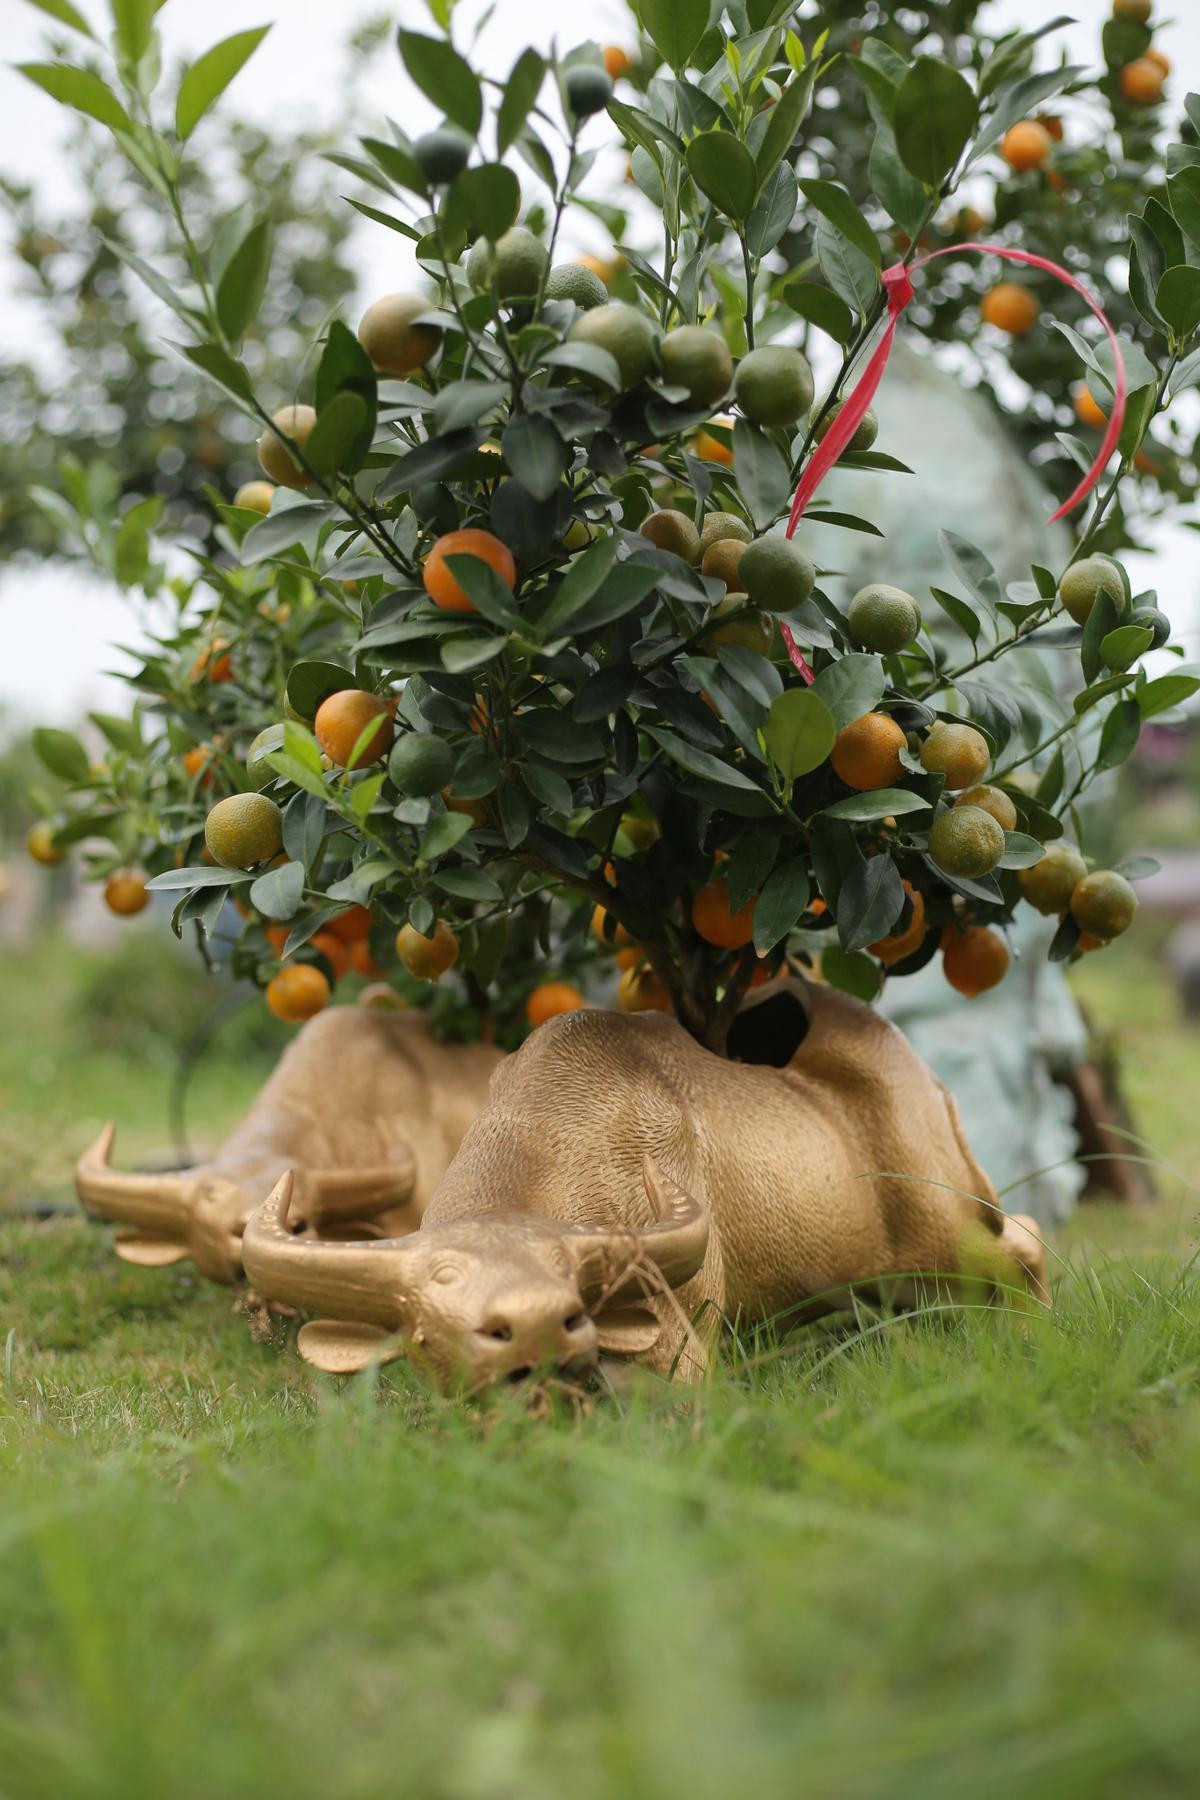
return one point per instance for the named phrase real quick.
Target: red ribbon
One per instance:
(899, 291)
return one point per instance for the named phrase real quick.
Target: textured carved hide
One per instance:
(366, 1107)
(617, 1161)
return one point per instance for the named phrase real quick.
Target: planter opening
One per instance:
(771, 1027)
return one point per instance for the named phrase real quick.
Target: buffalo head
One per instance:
(202, 1213)
(482, 1300)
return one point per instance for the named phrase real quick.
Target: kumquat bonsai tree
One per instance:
(515, 662)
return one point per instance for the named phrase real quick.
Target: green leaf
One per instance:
(821, 307)
(1119, 734)
(65, 13)
(468, 884)
(485, 590)
(773, 213)
(244, 281)
(1122, 647)
(852, 686)
(783, 898)
(1178, 299)
(134, 23)
(82, 90)
(935, 115)
(784, 121)
(583, 579)
(279, 892)
(676, 26)
(309, 683)
(441, 835)
(900, 193)
(1138, 868)
(835, 204)
(1147, 265)
(463, 402)
(345, 368)
(382, 218)
(881, 803)
(799, 732)
(304, 819)
(958, 611)
(198, 876)
(1020, 851)
(1167, 691)
(1183, 196)
(851, 972)
(443, 77)
(622, 589)
(336, 435)
(209, 76)
(535, 453)
(482, 202)
(586, 359)
(520, 92)
(123, 734)
(62, 754)
(220, 367)
(763, 476)
(723, 169)
(699, 762)
(1101, 621)
(280, 530)
(398, 165)
(849, 273)
(870, 902)
(459, 654)
(973, 570)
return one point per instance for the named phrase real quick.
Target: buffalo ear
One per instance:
(150, 1252)
(340, 1347)
(627, 1330)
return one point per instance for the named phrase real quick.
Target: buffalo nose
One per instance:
(517, 1339)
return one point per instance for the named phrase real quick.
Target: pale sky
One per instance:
(58, 623)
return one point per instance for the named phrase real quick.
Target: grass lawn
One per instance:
(951, 1557)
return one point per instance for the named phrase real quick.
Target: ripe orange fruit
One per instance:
(1048, 885)
(296, 423)
(958, 752)
(1103, 904)
(1010, 307)
(254, 496)
(427, 958)
(721, 559)
(640, 990)
(341, 721)
(440, 583)
(710, 448)
(617, 61)
(352, 926)
(1051, 123)
(1137, 10)
(243, 830)
(125, 893)
(215, 663)
(1142, 81)
(1026, 146)
(297, 993)
(866, 753)
(336, 954)
(1086, 409)
(975, 961)
(277, 937)
(629, 956)
(391, 339)
(196, 760)
(1159, 60)
(475, 810)
(899, 944)
(619, 935)
(362, 962)
(550, 999)
(715, 922)
(993, 800)
(39, 841)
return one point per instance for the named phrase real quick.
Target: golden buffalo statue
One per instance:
(622, 1182)
(365, 1108)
